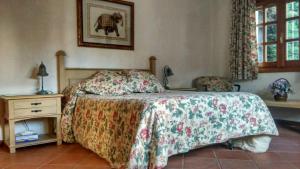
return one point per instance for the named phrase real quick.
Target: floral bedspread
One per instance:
(142, 130)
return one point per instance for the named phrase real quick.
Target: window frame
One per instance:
(282, 64)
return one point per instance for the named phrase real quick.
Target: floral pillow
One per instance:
(143, 82)
(213, 84)
(75, 89)
(72, 91)
(107, 83)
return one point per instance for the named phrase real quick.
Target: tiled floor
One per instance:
(284, 153)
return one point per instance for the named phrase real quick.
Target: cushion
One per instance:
(143, 82)
(213, 84)
(107, 83)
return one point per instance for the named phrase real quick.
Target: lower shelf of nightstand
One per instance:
(43, 138)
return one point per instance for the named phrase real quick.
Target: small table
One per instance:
(288, 104)
(19, 108)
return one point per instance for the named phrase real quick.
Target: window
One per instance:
(277, 35)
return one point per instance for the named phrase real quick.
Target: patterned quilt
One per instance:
(142, 130)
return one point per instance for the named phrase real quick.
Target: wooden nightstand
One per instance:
(18, 108)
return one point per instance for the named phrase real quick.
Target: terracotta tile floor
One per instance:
(284, 153)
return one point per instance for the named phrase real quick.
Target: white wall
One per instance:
(220, 30)
(176, 31)
(260, 85)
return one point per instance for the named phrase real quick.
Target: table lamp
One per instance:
(167, 72)
(42, 72)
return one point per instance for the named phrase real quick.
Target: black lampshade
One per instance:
(42, 70)
(168, 71)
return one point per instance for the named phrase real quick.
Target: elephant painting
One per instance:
(109, 23)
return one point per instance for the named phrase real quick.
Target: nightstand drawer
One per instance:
(34, 103)
(35, 111)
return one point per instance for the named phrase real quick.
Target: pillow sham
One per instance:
(107, 83)
(72, 91)
(75, 89)
(143, 82)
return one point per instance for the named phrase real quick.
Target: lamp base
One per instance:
(42, 92)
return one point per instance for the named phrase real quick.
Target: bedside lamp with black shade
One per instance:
(42, 73)
(167, 73)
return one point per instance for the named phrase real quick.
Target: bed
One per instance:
(141, 130)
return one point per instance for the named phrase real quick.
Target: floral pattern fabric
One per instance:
(213, 84)
(68, 103)
(107, 83)
(143, 130)
(102, 83)
(244, 65)
(144, 82)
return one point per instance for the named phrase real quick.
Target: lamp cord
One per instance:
(26, 125)
(165, 77)
(42, 83)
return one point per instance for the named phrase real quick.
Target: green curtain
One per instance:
(243, 64)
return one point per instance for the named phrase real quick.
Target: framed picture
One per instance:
(105, 24)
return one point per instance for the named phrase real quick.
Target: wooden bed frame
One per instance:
(69, 76)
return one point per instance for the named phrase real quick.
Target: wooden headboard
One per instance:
(69, 76)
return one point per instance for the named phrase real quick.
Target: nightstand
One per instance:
(19, 108)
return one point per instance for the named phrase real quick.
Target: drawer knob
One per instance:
(35, 104)
(36, 111)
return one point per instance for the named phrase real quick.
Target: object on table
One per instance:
(215, 84)
(26, 136)
(42, 73)
(167, 72)
(280, 89)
